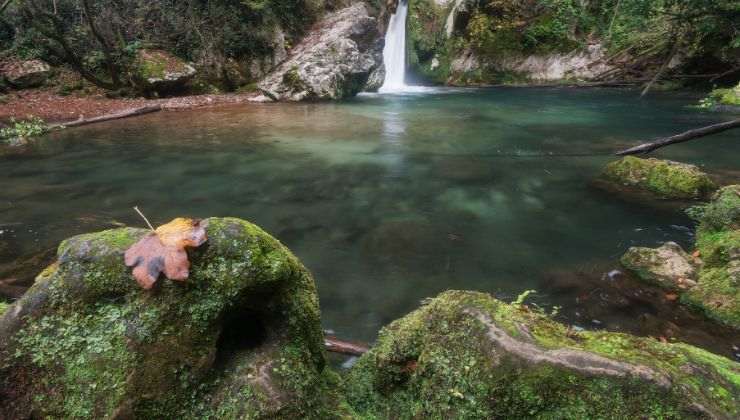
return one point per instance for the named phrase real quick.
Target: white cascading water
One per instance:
(394, 52)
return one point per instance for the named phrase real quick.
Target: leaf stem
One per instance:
(144, 217)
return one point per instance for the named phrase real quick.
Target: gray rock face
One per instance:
(25, 74)
(333, 61)
(667, 266)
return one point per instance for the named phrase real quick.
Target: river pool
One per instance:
(391, 199)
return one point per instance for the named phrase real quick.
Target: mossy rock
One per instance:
(468, 355)
(718, 244)
(663, 178)
(715, 287)
(159, 72)
(722, 213)
(240, 339)
(667, 266)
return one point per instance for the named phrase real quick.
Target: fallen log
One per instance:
(680, 138)
(108, 117)
(335, 345)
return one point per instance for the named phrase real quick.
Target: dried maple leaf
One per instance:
(164, 251)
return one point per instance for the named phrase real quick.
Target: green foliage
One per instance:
(519, 301)
(208, 33)
(718, 97)
(24, 129)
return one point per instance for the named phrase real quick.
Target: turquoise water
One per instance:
(387, 199)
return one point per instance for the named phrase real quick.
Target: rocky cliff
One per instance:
(333, 61)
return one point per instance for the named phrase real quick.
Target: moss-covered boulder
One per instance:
(718, 245)
(468, 355)
(667, 266)
(662, 178)
(159, 72)
(710, 278)
(24, 74)
(240, 339)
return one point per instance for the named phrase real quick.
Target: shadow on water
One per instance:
(388, 200)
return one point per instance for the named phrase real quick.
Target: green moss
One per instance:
(3, 308)
(665, 179)
(96, 344)
(717, 97)
(723, 212)
(439, 362)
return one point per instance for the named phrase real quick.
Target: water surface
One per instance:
(386, 199)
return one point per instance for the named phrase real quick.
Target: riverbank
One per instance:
(55, 108)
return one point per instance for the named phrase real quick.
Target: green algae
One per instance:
(438, 362)
(665, 179)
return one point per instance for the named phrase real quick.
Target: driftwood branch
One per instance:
(335, 345)
(680, 138)
(114, 116)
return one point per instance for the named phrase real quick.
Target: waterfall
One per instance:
(394, 52)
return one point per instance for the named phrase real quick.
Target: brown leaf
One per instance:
(164, 251)
(696, 254)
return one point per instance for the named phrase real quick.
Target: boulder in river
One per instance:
(333, 61)
(714, 265)
(663, 179)
(718, 245)
(468, 355)
(667, 266)
(25, 74)
(242, 337)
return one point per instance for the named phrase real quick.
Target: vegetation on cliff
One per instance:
(230, 40)
(639, 37)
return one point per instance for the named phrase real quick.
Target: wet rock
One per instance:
(662, 178)
(242, 335)
(161, 73)
(468, 355)
(333, 61)
(667, 266)
(25, 74)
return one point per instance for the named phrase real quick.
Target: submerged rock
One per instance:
(663, 178)
(25, 74)
(468, 355)
(333, 61)
(667, 266)
(241, 337)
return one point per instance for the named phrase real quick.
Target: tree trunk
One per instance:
(680, 138)
(114, 116)
(334, 345)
